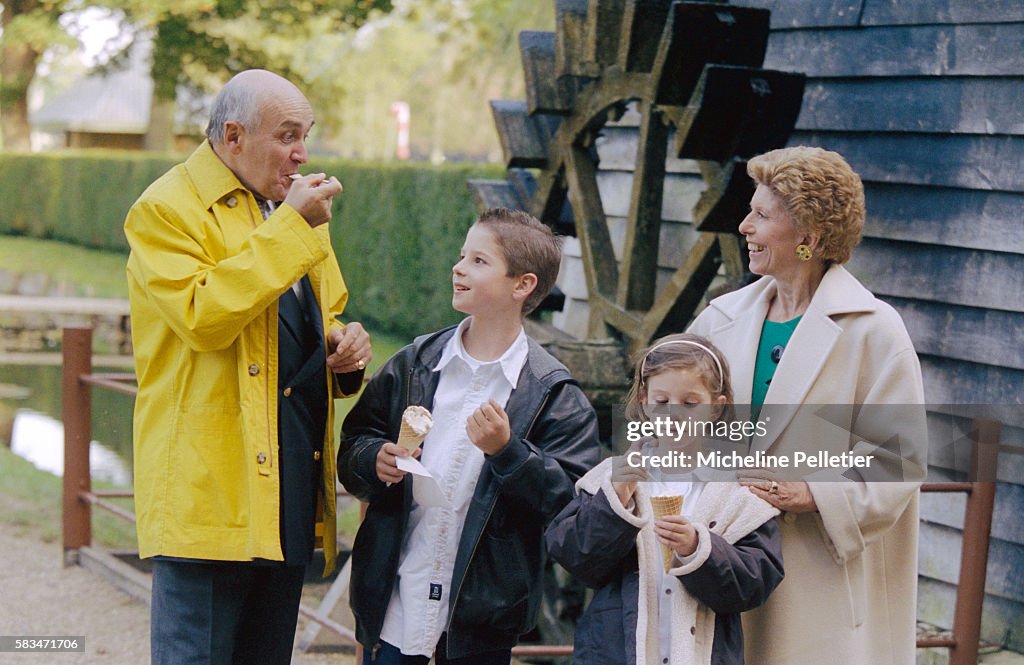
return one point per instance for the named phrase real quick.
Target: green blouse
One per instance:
(774, 338)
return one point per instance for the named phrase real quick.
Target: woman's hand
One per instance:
(676, 532)
(790, 496)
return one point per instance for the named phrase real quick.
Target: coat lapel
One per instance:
(807, 352)
(738, 340)
(809, 349)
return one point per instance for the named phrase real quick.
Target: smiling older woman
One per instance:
(808, 333)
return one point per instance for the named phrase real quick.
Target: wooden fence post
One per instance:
(76, 412)
(974, 555)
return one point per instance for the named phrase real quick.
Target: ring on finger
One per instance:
(774, 489)
(361, 364)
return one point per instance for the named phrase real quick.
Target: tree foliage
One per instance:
(446, 59)
(353, 59)
(29, 27)
(217, 39)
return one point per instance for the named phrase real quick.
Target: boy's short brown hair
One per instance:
(529, 247)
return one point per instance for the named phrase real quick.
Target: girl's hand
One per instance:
(625, 477)
(677, 533)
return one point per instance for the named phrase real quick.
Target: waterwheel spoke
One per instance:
(630, 324)
(640, 254)
(678, 300)
(600, 267)
(731, 248)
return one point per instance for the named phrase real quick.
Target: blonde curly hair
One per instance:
(822, 194)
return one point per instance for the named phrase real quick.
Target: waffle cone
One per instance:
(408, 438)
(663, 506)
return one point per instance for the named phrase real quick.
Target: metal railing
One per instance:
(80, 498)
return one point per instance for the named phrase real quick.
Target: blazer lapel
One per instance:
(311, 303)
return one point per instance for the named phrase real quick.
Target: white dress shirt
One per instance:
(418, 611)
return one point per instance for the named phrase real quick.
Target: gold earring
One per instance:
(804, 253)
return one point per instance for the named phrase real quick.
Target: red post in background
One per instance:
(76, 412)
(402, 115)
(970, 595)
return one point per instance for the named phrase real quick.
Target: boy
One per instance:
(512, 433)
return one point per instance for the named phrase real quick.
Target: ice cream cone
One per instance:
(663, 506)
(416, 422)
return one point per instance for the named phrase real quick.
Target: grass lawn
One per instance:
(30, 501)
(87, 272)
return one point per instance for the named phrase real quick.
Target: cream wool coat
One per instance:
(731, 511)
(850, 589)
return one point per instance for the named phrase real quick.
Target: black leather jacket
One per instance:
(496, 585)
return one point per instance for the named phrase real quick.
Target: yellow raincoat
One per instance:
(204, 274)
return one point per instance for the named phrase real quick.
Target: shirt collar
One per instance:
(511, 361)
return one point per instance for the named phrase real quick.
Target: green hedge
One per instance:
(397, 229)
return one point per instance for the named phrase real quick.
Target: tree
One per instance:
(446, 59)
(199, 45)
(29, 28)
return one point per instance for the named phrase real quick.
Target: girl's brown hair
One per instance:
(680, 351)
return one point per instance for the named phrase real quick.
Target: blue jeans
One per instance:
(211, 613)
(390, 655)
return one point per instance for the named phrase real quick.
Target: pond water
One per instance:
(31, 397)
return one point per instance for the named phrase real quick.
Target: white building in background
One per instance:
(109, 108)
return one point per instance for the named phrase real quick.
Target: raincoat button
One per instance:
(261, 457)
(254, 369)
(288, 392)
(231, 201)
(316, 455)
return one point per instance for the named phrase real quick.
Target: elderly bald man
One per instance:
(235, 293)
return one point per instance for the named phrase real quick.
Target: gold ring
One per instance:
(774, 489)
(360, 364)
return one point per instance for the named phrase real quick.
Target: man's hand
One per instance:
(387, 462)
(311, 196)
(488, 428)
(352, 350)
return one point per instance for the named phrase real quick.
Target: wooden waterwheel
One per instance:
(690, 76)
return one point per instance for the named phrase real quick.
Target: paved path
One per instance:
(40, 597)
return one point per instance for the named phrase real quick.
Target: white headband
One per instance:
(718, 363)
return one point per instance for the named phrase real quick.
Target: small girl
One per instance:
(724, 547)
